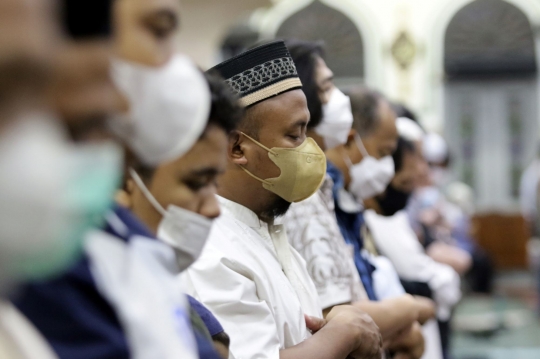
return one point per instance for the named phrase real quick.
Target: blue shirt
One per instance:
(75, 318)
(350, 225)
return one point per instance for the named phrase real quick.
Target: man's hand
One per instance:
(410, 345)
(393, 316)
(347, 332)
(427, 309)
(314, 324)
(368, 344)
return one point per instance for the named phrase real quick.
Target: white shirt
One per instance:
(386, 283)
(139, 278)
(18, 338)
(255, 284)
(313, 231)
(396, 240)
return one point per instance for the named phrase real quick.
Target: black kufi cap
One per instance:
(260, 73)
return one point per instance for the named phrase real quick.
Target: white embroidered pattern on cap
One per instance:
(260, 75)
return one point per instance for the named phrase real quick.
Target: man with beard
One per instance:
(248, 274)
(392, 235)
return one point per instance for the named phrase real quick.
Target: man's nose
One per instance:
(210, 206)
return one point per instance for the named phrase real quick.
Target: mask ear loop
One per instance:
(257, 178)
(346, 158)
(266, 148)
(360, 145)
(135, 176)
(261, 145)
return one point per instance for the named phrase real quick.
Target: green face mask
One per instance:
(94, 173)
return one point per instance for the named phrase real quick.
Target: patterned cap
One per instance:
(260, 73)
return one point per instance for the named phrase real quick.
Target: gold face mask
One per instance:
(303, 170)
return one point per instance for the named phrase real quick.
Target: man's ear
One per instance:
(236, 148)
(130, 186)
(352, 148)
(350, 139)
(123, 199)
(124, 196)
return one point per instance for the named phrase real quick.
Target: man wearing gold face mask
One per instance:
(248, 274)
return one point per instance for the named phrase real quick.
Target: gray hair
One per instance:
(365, 104)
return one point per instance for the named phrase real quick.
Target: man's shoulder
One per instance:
(225, 244)
(304, 214)
(233, 246)
(74, 301)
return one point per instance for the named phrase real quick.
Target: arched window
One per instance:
(491, 117)
(343, 42)
(489, 38)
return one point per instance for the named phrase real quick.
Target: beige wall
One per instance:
(204, 24)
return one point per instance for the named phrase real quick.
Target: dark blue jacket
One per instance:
(75, 319)
(350, 225)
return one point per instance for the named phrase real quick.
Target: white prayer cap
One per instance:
(435, 148)
(409, 130)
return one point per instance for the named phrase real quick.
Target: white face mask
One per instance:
(169, 108)
(370, 176)
(337, 120)
(185, 231)
(52, 193)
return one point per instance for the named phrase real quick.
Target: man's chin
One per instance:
(276, 209)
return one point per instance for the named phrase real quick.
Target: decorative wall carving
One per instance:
(404, 50)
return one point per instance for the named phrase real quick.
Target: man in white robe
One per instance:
(248, 275)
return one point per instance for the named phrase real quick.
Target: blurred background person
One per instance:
(312, 225)
(367, 169)
(443, 227)
(393, 236)
(29, 33)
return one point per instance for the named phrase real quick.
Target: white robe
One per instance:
(18, 338)
(396, 240)
(255, 283)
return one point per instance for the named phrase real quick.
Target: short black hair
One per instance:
(222, 338)
(403, 148)
(304, 55)
(365, 105)
(251, 122)
(403, 111)
(86, 19)
(226, 111)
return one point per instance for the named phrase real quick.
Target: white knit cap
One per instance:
(409, 130)
(435, 148)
